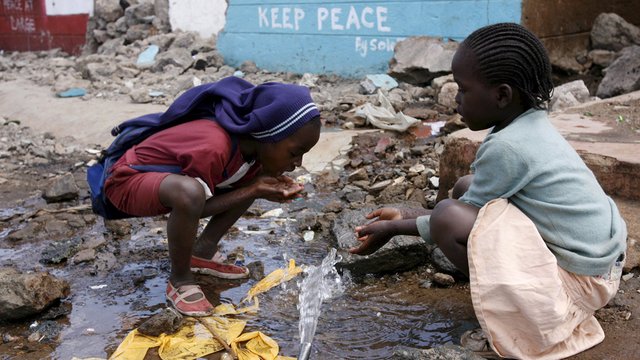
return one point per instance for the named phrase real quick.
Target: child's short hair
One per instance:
(508, 53)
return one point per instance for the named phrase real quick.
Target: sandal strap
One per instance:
(184, 292)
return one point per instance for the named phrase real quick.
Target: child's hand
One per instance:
(373, 236)
(278, 189)
(387, 213)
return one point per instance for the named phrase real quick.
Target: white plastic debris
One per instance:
(384, 116)
(308, 235)
(273, 213)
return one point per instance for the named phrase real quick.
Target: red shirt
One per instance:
(200, 147)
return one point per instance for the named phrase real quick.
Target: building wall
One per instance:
(206, 17)
(28, 25)
(348, 38)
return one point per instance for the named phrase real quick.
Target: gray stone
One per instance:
(602, 58)
(399, 254)
(59, 251)
(108, 10)
(442, 262)
(167, 321)
(179, 57)
(96, 71)
(161, 21)
(443, 279)
(26, 294)
(445, 352)
(612, 32)
(143, 13)
(569, 94)
(61, 188)
(623, 75)
(419, 59)
(447, 95)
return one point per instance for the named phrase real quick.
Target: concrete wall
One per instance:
(207, 17)
(27, 25)
(349, 38)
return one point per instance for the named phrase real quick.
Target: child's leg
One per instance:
(185, 196)
(461, 186)
(450, 224)
(218, 225)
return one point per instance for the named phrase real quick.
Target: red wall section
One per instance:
(25, 26)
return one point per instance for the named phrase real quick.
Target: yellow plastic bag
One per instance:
(276, 277)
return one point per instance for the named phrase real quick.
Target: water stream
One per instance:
(320, 283)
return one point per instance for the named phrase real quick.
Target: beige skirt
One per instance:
(528, 306)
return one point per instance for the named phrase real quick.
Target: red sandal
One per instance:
(217, 268)
(178, 299)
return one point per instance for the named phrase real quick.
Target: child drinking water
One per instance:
(541, 242)
(237, 144)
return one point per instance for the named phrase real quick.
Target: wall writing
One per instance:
(20, 14)
(346, 37)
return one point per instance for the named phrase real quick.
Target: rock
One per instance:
(142, 13)
(61, 188)
(59, 251)
(442, 262)
(602, 58)
(445, 352)
(418, 60)
(167, 321)
(447, 95)
(568, 95)
(399, 254)
(445, 280)
(439, 82)
(612, 32)
(633, 255)
(359, 174)
(27, 294)
(108, 10)
(45, 331)
(179, 57)
(623, 75)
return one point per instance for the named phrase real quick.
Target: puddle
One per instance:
(365, 322)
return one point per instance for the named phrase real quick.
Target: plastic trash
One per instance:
(239, 74)
(195, 340)
(72, 92)
(148, 56)
(384, 116)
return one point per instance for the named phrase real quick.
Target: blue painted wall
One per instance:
(348, 38)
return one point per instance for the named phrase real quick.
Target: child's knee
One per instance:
(182, 192)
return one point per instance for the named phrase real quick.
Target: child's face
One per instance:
(286, 155)
(477, 102)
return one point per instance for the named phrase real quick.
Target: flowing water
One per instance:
(320, 283)
(364, 319)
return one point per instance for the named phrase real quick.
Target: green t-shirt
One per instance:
(532, 165)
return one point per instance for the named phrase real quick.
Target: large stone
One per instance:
(400, 254)
(23, 295)
(108, 10)
(418, 60)
(61, 188)
(179, 57)
(623, 75)
(612, 32)
(569, 94)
